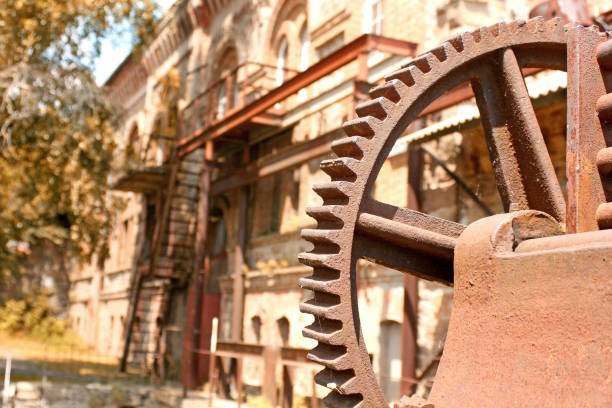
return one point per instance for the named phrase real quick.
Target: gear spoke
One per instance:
(515, 140)
(407, 240)
(411, 261)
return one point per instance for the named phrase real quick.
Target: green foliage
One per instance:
(56, 124)
(32, 317)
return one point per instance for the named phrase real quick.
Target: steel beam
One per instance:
(291, 158)
(322, 68)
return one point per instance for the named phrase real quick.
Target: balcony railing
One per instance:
(244, 84)
(257, 92)
(143, 172)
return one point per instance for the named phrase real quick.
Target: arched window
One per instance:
(304, 48)
(283, 330)
(372, 17)
(224, 74)
(256, 323)
(132, 144)
(281, 62)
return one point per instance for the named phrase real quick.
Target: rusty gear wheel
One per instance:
(352, 225)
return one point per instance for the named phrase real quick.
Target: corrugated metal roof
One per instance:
(538, 85)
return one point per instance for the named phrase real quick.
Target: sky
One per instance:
(114, 51)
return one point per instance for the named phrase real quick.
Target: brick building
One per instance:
(228, 114)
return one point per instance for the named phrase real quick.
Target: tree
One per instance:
(56, 125)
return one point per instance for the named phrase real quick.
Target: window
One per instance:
(283, 52)
(221, 101)
(330, 46)
(224, 82)
(305, 47)
(372, 17)
(125, 230)
(132, 142)
(283, 330)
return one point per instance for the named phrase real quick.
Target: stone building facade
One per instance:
(214, 202)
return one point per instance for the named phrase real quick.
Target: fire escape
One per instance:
(219, 121)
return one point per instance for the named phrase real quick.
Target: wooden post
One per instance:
(211, 367)
(271, 356)
(238, 286)
(409, 323)
(239, 381)
(314, 403)
(211, 108)
(228, 93)
(362, 65)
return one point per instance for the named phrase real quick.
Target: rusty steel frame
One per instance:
(480, 260)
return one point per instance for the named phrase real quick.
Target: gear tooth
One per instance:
(323, 240)
(440, 52)
(318, 285)
(457, 43)
(330, 356)
(407, 76)
(604, 107)
(604, 54)
(316, 260)
(324, 330)
(322, 305)
(486, 34)
(322, 280)
(340, 381)
(327, 216)
(388, 90)
(603, 214)
(555, 24)
(337, 400)
(604, 161)
(379, 108)
(536, 24)
(341, 168)
(349, 147)
(423, 62)
(494, 29)
(331, 192)
(503, 28)
(360, 127)
(468, 40)
(477, 34)
(449, 50)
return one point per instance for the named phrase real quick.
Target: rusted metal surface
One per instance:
(529, 328)
(585, 89)
(603, 213)
(352, 225)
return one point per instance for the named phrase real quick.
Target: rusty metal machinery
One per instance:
(530, 324)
